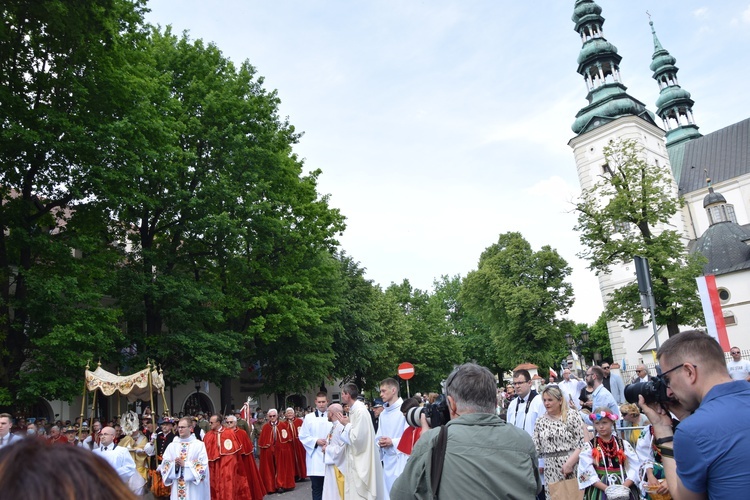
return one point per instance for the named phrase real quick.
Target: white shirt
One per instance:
(119, 458)
(571, 390)
(739, 370)
(315, 426)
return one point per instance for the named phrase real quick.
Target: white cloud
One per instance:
(701, 13)
(746, 15)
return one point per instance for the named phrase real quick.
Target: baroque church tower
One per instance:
(612, 114)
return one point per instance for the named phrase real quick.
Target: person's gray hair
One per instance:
(351, 389)
(473, 388)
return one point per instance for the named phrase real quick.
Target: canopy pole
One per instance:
(83, 403)
(153, 411)
(164, 397)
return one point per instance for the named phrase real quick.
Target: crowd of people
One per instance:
(571, 440)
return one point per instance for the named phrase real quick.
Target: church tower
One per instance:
(612, 114)
(675, 107)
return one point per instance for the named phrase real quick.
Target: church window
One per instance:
(729, 318)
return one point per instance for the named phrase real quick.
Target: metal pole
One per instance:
(407, 389)
(653, 317)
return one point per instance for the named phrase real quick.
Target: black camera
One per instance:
(653, 391)
(437, 413)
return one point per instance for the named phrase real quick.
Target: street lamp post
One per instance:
(577, 344)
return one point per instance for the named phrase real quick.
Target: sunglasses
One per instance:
(734, 352)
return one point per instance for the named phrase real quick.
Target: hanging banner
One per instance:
(712, 310)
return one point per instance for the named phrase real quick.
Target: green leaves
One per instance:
(633, 210)
(519, 295)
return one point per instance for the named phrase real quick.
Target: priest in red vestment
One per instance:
(276, 454)
(300, 463)
(257, 488)
(227, 472)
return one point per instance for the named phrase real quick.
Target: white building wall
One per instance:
(588, 150)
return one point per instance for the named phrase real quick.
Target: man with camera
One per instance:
(705, 457)
(484, 457)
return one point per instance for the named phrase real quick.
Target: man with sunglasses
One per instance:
(739, 369)
(706, 456)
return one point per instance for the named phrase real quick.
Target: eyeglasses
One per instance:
(516, 384)
(664, 377)
(626, 414)
(734, 352)
(605, 367)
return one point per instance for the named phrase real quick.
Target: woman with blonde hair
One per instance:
(558, 437)
(633, 417)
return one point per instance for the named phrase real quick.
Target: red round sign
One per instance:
(406, 371)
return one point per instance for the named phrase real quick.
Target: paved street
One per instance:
(301, 492)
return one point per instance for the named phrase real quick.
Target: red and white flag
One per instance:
(712, 310)
(552, 373)
(245, 412)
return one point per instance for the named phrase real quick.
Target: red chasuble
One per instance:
(257, 488)
(226, 468)
(276, 457)
(300, 465)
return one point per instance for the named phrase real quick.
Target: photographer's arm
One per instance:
(662, 425)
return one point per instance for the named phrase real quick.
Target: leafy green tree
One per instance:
(359, 333)
(432, 346)
(519, 295)
(63, 76)
(630, 212)
(232, 248)
(472, 334)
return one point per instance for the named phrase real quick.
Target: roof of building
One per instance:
(725, 154)
(526, 366)
(723, 244)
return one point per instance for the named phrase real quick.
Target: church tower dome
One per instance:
(674, 105)
(599, 64)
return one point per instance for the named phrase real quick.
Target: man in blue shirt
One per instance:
(706, 457)
(601, 396)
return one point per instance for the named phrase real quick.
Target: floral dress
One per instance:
(601, 462)
(555, 440)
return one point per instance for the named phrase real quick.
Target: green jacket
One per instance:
(485, 458)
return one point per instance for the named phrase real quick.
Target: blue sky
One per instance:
(439, 124)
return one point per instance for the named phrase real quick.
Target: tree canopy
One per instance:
(631, 211)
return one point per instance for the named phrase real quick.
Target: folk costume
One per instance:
(155, 449)
(276, 456)
(610, 462)
(191, 481)
(364, 473)
(257, 488)
(335, 463)
(227, 470)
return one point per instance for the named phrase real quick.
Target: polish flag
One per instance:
(712, 310)
(552, 373)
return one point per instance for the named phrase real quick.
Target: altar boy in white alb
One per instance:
(185, 465)
(391, 426)
(313, 434)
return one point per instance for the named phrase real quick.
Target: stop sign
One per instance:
(406, 371)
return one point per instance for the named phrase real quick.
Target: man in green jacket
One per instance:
(484, 458)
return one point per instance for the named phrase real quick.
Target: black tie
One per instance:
(520, 401)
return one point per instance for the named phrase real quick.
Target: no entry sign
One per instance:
(406, 371)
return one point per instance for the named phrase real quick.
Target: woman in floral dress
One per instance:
(558, 437)
(608, 461)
